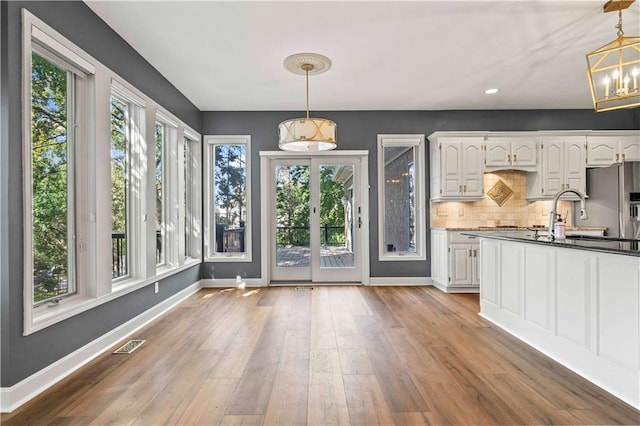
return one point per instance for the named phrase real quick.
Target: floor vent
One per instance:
(304, 288)
(129, 347)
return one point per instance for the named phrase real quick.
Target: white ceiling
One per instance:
(387, 55)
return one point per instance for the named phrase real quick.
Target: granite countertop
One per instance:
(601, 244)
(515, 228)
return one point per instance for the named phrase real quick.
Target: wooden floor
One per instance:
(299, 257)
(325, 355)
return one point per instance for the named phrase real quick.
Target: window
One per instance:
(400, 197)
(191, 195)
(89, 180)
(53, 189)
(228, 198)
(159, 194)
(120, 188)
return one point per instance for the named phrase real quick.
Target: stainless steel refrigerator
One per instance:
(614, 200)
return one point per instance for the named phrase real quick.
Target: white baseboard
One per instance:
(446, 289)
(231, 282)
(20, 393)
(400, 281)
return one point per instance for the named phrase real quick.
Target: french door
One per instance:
(315, 219)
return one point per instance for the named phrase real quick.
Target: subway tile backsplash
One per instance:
(516, 211)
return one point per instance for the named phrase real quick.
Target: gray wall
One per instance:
(22, 356)
(359, 129)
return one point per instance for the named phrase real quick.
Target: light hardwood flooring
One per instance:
(325, 356)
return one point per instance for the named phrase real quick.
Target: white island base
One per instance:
(579, 307)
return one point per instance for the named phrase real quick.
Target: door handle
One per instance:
(359, 222)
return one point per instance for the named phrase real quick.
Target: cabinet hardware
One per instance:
(515, 158)
(459, 188)
(509, 158)
(624, 156)
(475, 253)
(617, 157)
(464, 188)
(470, 253)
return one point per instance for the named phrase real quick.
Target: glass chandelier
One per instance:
(614, 69)
(307, 134)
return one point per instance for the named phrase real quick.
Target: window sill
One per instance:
(401, 256)
(47, 315)
(229, 257)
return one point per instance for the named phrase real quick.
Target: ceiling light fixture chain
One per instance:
(619, 26)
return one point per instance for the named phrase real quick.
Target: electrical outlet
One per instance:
(156, 287)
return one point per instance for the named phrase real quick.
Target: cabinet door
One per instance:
(523, 153)
(602, 150)
(553, 165)
(460, 269)
(472, 169)
(450, 169)
(630, 149)
(439, 256)
(575, 171)
(475, 264)
(498, 153)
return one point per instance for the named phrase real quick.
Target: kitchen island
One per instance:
(576, 300)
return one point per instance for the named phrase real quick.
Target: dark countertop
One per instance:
(601, 244)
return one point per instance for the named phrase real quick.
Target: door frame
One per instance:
(266, 213)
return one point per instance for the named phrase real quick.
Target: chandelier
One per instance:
(614, 69)
(307, 134)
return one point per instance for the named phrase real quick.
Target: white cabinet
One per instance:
(562, 167)
(454, 261)
(604, 151)
(457, 169)
(580, 307)
(511, 153)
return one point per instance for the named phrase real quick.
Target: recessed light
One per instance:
(491, 91)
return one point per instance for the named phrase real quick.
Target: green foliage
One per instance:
(230, 184)
(118, 166)
(50, 176)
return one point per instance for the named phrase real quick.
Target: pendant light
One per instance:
(614, 69)
(307, 134)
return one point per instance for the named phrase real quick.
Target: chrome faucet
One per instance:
(554, 205)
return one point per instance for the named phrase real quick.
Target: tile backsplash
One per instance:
(516, 210)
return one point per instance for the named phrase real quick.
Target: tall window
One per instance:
(159, 194)
(229, 221)
(120, 188)
(53, 227)
(401, 214)
(191, 193)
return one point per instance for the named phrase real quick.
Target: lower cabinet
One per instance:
(455, 261)
(580, 307)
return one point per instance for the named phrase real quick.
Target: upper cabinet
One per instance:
(563, 166)
(457, 168)
(511, 153)
(554, 160)
(604, 151)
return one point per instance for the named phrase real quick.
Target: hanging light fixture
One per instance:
(614, 69)
(307, 134)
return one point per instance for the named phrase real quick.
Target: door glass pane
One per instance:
(336, 216)
(292, 216)
(399, 199)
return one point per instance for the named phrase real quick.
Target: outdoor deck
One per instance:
(330, 257)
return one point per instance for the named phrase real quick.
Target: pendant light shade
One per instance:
(307, 134)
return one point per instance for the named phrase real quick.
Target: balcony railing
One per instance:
(300, 235)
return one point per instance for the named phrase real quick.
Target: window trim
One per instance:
(209, 210)
(416, 141)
